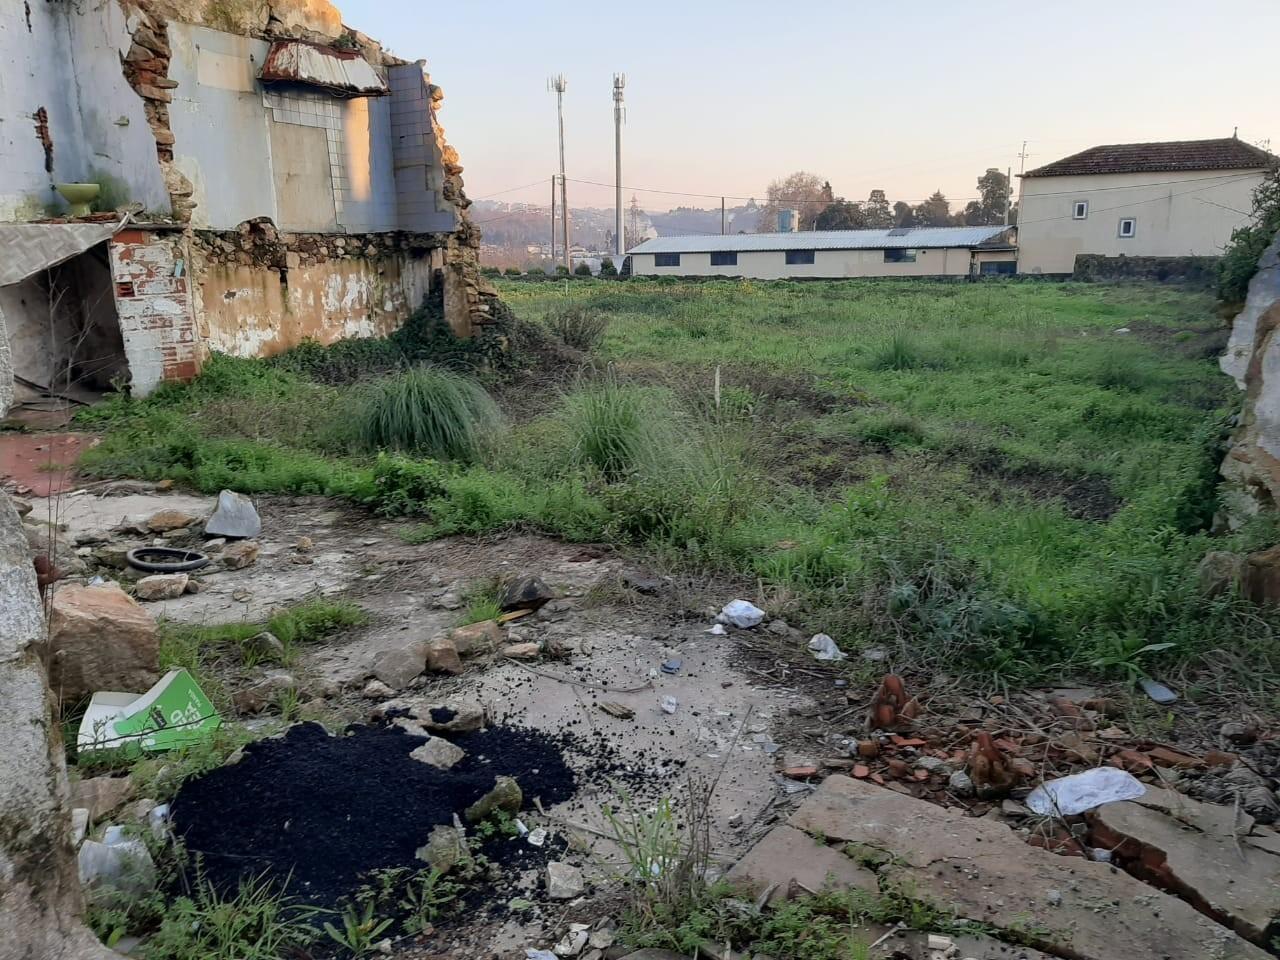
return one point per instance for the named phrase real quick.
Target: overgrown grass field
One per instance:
(1014, 480)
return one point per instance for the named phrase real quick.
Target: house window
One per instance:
(724, 259)
(1128, 226)
(795, 257)
(666, 259)
(899, 255)
(1080, 210)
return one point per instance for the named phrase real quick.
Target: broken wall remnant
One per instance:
(1252, 465)
(40, 896)
(154, 306)
(262, 291)
(334, 143)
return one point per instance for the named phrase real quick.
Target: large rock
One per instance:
(527, 593)
(1252, 465)
(984, 871)
(162, 586)
(397, 667)
(506, 796)
(564, 881)
(438, 752)
(1260, 576)
(40, 894)
(1194, 849)
(234, 516)
(444, 848)
(238, 555)
(100, 639)
(442, 657)
(166, 520)
(474, 638)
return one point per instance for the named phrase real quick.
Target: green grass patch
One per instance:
(947, 440)
(429, 411)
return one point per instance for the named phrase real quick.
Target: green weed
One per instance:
(428, 410)
(258, 922)
(578, 326)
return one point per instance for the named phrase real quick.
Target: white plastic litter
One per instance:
(742, 614)
(537, 836)
(824, 648)
(521, 829)
(717, 630)
(670, 704)
(539, 955)
(1079, 792)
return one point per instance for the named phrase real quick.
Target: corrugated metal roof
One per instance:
(28, 248)
(343, 71)
(913, 238)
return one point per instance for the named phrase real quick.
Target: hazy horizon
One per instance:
(908, 103)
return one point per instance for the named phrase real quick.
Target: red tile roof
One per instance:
(1228, 153)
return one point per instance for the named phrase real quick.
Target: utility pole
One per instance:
(1022, 158)
(553, 218)
(558, 84)
(722, 221)
(619, 112)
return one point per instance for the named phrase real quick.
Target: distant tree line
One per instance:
(821, 209)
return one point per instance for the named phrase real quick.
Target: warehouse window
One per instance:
(900, 255)
(666, 259)
(799, 257)
(724, 259)
(1128, 226)
(1080, 210)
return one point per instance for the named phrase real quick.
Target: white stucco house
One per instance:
(1177, 199)
(830, 254)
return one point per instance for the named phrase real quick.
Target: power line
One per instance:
(1137, 203)
(523, 186)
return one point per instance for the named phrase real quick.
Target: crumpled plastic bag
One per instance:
(1080, 792)
(824, 648)
(742, 614)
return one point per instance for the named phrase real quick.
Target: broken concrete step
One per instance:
(985, 872)
(1191, 849)
(788, 862)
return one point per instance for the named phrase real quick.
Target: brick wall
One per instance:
(153, 302)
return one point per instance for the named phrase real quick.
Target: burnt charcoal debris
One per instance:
(322, 811)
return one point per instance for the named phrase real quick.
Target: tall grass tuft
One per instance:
(617, 428)
(900, 352)
(428, 410)
(578, 326)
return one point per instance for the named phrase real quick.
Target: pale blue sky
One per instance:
(723, 96)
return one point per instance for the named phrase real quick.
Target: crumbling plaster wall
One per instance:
(261, 291)
(65, 58)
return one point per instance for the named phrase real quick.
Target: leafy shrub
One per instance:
(512, 272)
(1240, 260)
(578, 326)
(583, 269)
(607, 269)
(429, 410)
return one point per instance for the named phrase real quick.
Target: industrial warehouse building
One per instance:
(890, 252)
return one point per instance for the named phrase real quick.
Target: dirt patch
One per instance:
(41, 464)
(1196, 341)
(323, 811)
(1084, 496)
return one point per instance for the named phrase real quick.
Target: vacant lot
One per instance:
(1008, 480)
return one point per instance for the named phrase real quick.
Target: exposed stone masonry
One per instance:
(146, 67)
(258, 242)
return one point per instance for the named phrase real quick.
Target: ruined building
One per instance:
(263, 175)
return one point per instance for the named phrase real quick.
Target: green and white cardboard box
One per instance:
(173, 713)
